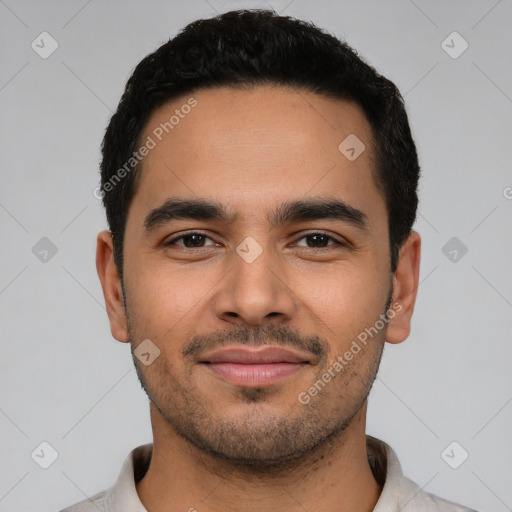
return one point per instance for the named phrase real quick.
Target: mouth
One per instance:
(249, 367)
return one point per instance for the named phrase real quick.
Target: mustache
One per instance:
(257, 336)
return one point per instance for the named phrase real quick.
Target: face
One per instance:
(256, 255)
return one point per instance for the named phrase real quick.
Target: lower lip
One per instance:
(254, 374)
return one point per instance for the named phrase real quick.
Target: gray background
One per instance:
(64, 380)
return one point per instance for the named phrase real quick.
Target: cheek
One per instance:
(344, 304)
(167, 304)
(345, 296)
(164, 298)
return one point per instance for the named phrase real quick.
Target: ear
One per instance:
(405, 287)
(111, 285)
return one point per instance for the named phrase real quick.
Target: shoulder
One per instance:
(123, 494)
(426, 502)
(399, 493)
(94, 504)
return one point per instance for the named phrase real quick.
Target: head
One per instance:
(293, 163)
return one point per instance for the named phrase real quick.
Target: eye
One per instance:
(319, 240)
(193, 239)
(198, 240)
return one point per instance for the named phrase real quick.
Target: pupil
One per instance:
(194, 238)
(319, 239)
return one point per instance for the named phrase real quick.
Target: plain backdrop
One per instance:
(66, 382)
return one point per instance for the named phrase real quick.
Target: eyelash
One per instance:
(191, 233)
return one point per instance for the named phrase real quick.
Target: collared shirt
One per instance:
(399, 494)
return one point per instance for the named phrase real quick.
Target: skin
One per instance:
(220, 446)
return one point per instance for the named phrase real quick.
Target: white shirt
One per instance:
(399, 494)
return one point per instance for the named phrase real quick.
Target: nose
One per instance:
(255, 292)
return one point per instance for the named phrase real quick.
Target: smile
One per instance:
(246, 367)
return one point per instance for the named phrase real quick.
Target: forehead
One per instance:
(250, 148)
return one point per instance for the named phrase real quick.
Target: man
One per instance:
(260, 185)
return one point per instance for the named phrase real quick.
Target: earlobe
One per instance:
(111, 285)
(405, 287)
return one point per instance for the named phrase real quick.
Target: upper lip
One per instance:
(246, 355)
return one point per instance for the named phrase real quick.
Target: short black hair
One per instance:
(247, 48)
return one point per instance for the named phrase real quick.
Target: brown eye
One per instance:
(318, 240)
(190, 240)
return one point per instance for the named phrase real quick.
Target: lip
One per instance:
(265, 355)
(249, 367)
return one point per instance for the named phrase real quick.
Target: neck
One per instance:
(182, 477)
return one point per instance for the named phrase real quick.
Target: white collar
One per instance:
(398, 493)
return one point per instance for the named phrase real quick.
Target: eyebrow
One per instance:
(286, 213)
